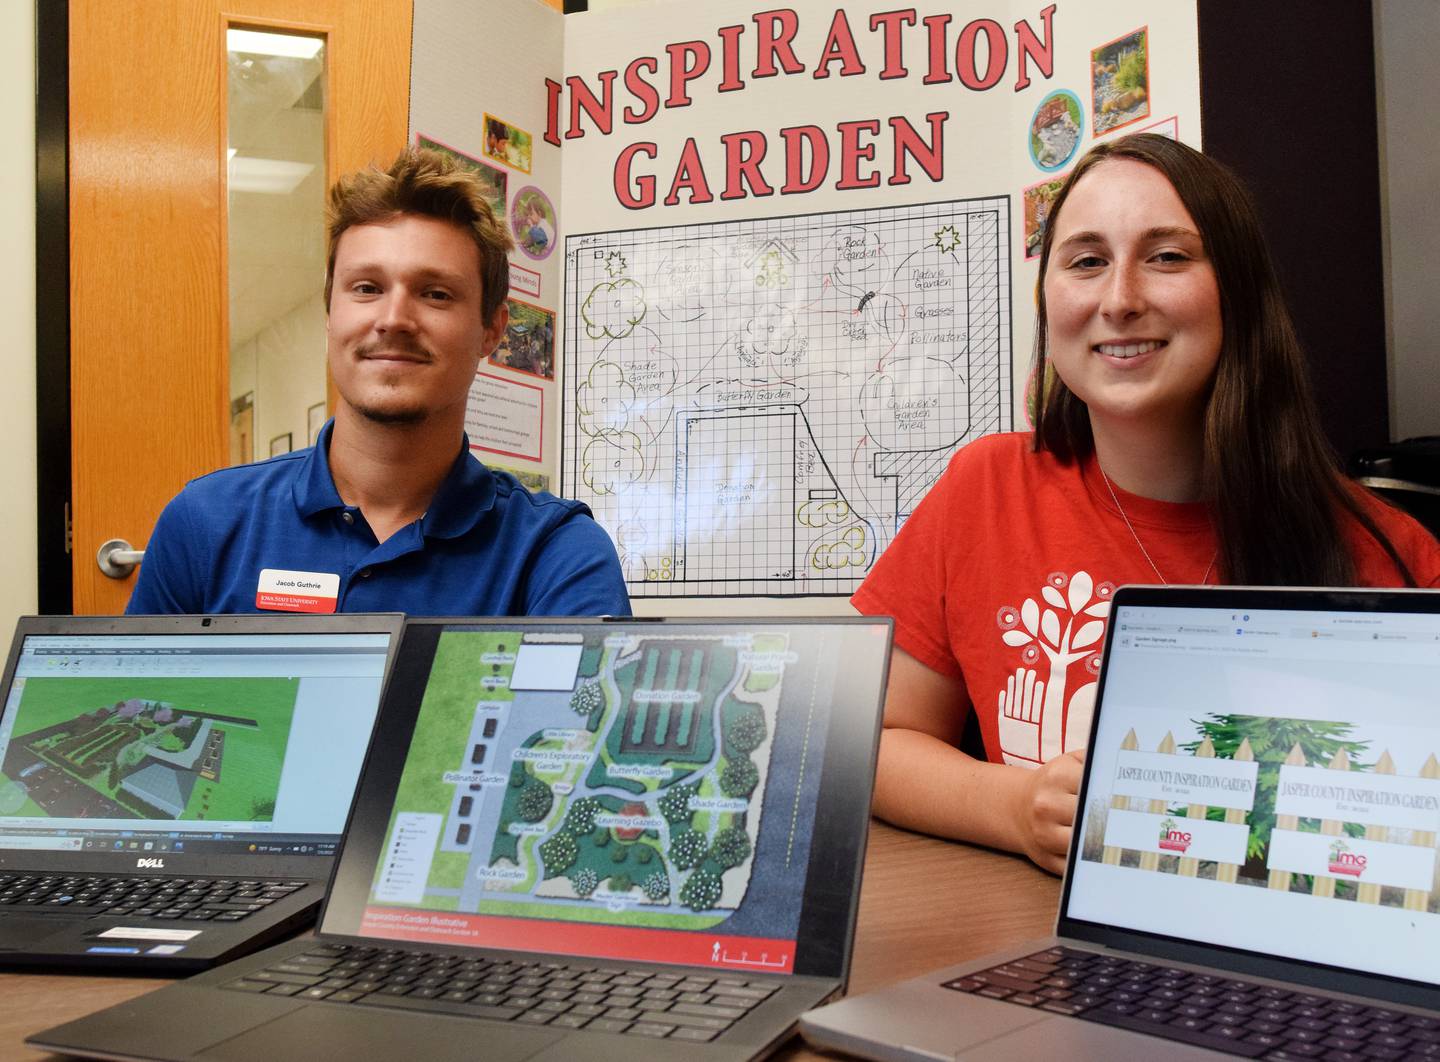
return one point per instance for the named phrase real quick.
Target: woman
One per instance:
(1175, 441)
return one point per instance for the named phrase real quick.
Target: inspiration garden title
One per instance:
(980, 55)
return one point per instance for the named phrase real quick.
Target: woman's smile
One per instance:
(1132, 304)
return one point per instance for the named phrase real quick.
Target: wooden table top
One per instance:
(925, 903)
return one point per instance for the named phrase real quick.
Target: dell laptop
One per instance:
(1253, 873)
(601, 839)
(173, 789)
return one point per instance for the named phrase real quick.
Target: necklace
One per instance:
(1143, 551)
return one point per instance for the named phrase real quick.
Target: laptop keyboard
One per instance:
(164, 899)
(1232, 1016)
(677, 1006)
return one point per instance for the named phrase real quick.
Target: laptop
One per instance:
(596, 839)
(1254, 869)
(173, 789)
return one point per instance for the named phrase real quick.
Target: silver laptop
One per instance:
(173, 789)
(1254, 870)
(572, 839)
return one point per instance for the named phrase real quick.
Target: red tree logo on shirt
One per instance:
(1036, 722)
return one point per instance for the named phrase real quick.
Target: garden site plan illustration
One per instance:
(638, 795)
(755, 407)
(178, 750)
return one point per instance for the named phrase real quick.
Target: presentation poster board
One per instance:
(794, 249)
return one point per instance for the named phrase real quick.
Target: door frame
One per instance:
(55, 583)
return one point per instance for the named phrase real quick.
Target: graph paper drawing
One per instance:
(755, 407)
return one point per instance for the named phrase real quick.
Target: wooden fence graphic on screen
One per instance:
(1376, 840)
(1149, 785)
(1377, 829)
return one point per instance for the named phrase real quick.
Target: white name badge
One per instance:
(282, 591)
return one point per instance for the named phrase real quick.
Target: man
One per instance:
(389, 511)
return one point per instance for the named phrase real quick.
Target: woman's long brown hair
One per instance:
(1275, 489)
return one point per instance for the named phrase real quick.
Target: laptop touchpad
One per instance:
(21, 932)
(321, 1032)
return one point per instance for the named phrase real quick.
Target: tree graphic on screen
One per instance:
(1271, 740)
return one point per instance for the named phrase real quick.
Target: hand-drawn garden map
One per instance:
(754, 407)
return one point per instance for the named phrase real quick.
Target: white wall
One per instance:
(1406, 35)
(17, 310)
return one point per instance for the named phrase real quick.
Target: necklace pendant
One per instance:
(1204, 579)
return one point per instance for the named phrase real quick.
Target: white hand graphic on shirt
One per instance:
(1062, 647)
(1077, 717)
(1020, 716)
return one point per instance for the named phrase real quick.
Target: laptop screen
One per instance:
(630, 790)
(1267, 780)
(194, 744)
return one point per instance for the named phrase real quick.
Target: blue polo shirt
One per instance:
(485, 547)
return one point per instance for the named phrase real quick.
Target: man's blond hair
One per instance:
(429, 184)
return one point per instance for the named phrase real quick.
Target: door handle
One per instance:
(117, 558)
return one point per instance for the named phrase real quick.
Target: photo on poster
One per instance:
(493, 179)
(1120, 81)
(1038, 201)
(281, 444)
(507, 143)
(1056, 130)
(528, 344)
(530, 479)
(532, 219)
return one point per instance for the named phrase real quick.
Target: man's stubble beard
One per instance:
(393, 417)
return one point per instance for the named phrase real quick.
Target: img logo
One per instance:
(1171, 839)
(150, 864)
(1344, 861)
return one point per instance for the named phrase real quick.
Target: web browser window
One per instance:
(1268, 781)
(186, 743)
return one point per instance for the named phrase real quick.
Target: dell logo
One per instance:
(150, 864)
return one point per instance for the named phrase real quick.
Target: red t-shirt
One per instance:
(1003, 574)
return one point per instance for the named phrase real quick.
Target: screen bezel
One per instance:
(832, 886)
(202, 863)
(1239, 960)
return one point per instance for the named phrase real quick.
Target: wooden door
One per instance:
(148, 285)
